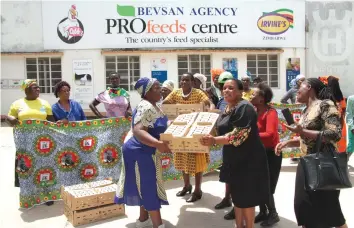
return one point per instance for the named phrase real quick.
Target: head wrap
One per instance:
(27, 83)
(202, 79)
(324, 79)
(224, 77)
(293, 82)
(143, 85)
(168, 84)
(215, 72)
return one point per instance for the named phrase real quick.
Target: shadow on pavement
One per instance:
(42, 212)
(167, 224)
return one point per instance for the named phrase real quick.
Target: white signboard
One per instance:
(4, 83)
(11, 83)
(198, 23)
(83, 81)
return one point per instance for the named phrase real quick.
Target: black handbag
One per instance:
(325, 170)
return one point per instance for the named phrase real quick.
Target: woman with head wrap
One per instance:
(333, 84)
(291, 94)
(214, 91)
(140, 183)
(167, 88)
(200, 81)
(190, 163)
(30, 107)
(315, 208)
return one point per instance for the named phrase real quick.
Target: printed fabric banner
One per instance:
(52, 155)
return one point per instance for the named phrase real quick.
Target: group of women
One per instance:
(247, 130)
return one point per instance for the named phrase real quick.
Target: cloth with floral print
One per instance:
(321, 116)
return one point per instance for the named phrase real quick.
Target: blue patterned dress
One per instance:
(140, 182)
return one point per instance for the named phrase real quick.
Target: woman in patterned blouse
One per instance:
(315, 209)
(190, 163)
(140, 183)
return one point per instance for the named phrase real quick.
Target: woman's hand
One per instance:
(297, 128)
(12, 120)
(63, 121)
(163, 147)
(280, 146)
(207, 140)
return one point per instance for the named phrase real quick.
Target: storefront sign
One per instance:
(92, 25)
(292, 70)
(159, 69)
(230, 65)
(83, 81)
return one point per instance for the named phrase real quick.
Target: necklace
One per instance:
(187, 95)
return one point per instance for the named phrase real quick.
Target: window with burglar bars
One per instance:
(46, 70)
(265, 66)
(128, 67)
(195, 64)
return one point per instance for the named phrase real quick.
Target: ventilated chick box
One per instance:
(172, 111)
(189, 140)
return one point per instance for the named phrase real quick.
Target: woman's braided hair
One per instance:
(322, 91)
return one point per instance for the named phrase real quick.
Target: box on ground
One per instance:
(186, 130)
(90, 202)
(91, 215)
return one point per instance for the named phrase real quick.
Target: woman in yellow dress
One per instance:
(190, 163)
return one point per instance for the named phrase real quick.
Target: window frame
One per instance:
(208, 83)
(51, 86)
(129, 85)
(268, 67)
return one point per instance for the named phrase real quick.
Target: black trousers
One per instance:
(274, 167)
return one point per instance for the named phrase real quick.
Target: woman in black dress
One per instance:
(315, 209)
(244, 158)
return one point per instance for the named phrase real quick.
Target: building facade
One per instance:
(54, 41)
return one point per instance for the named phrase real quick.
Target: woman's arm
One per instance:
(287, 96)
(12, 120)
(128, 113)
(140, 132)
(93, 108)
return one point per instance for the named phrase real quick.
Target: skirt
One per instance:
(140, 182)
(191, 163)
(316, 209)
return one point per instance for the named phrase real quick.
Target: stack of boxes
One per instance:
(91, 202)
(186, 130)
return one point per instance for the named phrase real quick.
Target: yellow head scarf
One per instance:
(27, 83)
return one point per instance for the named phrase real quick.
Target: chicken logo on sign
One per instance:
(70, 29)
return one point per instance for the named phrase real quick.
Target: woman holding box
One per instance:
(244, 158)
(190, 163)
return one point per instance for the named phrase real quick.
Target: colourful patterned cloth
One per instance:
(115, 105)
(349, 119)
(116, 92)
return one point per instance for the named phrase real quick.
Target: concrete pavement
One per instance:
(179, 214)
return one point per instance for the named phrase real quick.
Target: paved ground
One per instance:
(178, 214)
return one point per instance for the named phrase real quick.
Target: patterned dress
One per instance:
(140, 182)
(188, 162)
(318, 208)
(115, 105)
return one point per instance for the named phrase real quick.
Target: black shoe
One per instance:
(49, 203)
(271, 220)
(226, 202)
(230, 215)
(184, 191)
(195, 197)
(262, 216)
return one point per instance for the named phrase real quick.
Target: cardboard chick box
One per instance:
(91, 215)
(90, 202)
(185, 132)
(174, 110)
